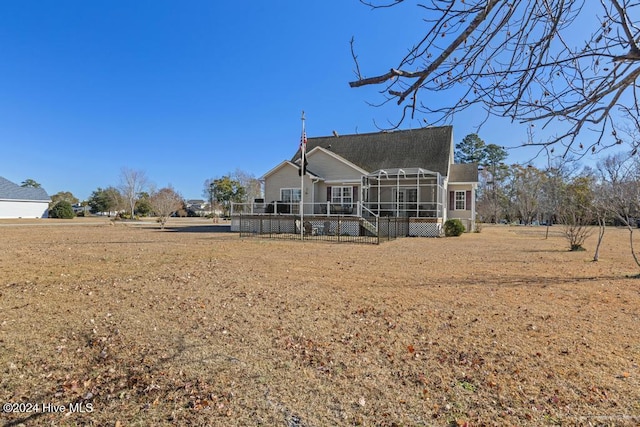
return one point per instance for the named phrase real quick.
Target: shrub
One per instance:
(62, 209)
(453, 227)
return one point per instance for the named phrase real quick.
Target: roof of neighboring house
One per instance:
(427, 148)
(12, 191)
(466, 172)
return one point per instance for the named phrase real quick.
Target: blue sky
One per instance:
(190, 90)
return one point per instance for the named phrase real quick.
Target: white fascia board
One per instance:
(343, 181)
(26, 200)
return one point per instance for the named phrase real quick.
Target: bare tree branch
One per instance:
(519, 60)
(380, 6)
(355, 58)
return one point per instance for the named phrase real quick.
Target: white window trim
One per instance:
(292, 190)
(463, 200)
(340, 200)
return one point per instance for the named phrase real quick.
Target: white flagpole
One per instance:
(303, 148)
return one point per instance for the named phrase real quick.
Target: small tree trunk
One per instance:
(601, 228)
(633, 252)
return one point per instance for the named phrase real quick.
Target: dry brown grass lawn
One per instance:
(185, 327)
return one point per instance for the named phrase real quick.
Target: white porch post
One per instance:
(398, 194)
(418, 195)
(313, 197)
(302, 174)
(379, 193)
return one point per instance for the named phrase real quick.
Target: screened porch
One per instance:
(404, 192)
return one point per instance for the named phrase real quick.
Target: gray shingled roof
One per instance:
(427, 148)
(11, 191)
(467, 172)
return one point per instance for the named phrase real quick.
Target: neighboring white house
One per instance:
(22, 202)
(403, 174)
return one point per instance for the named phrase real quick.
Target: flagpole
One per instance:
(303, 148)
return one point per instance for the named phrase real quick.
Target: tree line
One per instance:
(135, 196)
(580, 200)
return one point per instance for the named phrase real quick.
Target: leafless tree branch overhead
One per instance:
(571, 62)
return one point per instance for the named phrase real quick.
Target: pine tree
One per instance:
(471, 150)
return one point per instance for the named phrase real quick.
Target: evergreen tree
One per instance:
(471, 150)
(105, 200)
(62, 209)
(30, 183)
(226, 190)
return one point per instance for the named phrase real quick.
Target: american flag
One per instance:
(303, 151)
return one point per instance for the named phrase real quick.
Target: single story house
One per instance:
(404, 174)
(22, 202)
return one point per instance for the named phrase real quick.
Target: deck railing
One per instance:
(357, 209)
(293, 208)
(406, 209)
(360, 222)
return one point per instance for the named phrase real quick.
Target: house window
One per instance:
(290, 195)
(342, 196)
(461, 200)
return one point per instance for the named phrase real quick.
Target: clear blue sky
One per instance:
(189, 90)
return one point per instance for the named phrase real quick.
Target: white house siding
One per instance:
(467, 215)
(285, 177)
(326, 165)
(319, 163)
(23, 209)
(341, 173)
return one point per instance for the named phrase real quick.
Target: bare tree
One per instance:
(558, 178)
(251, 184)
(236, 187)
(519, 59)
(526, 186)
(491, 196)
(575, 211)
(132, 183)
(164, 202)
(631, 130)
(620, 192)
(599, 209)
(493, 175)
